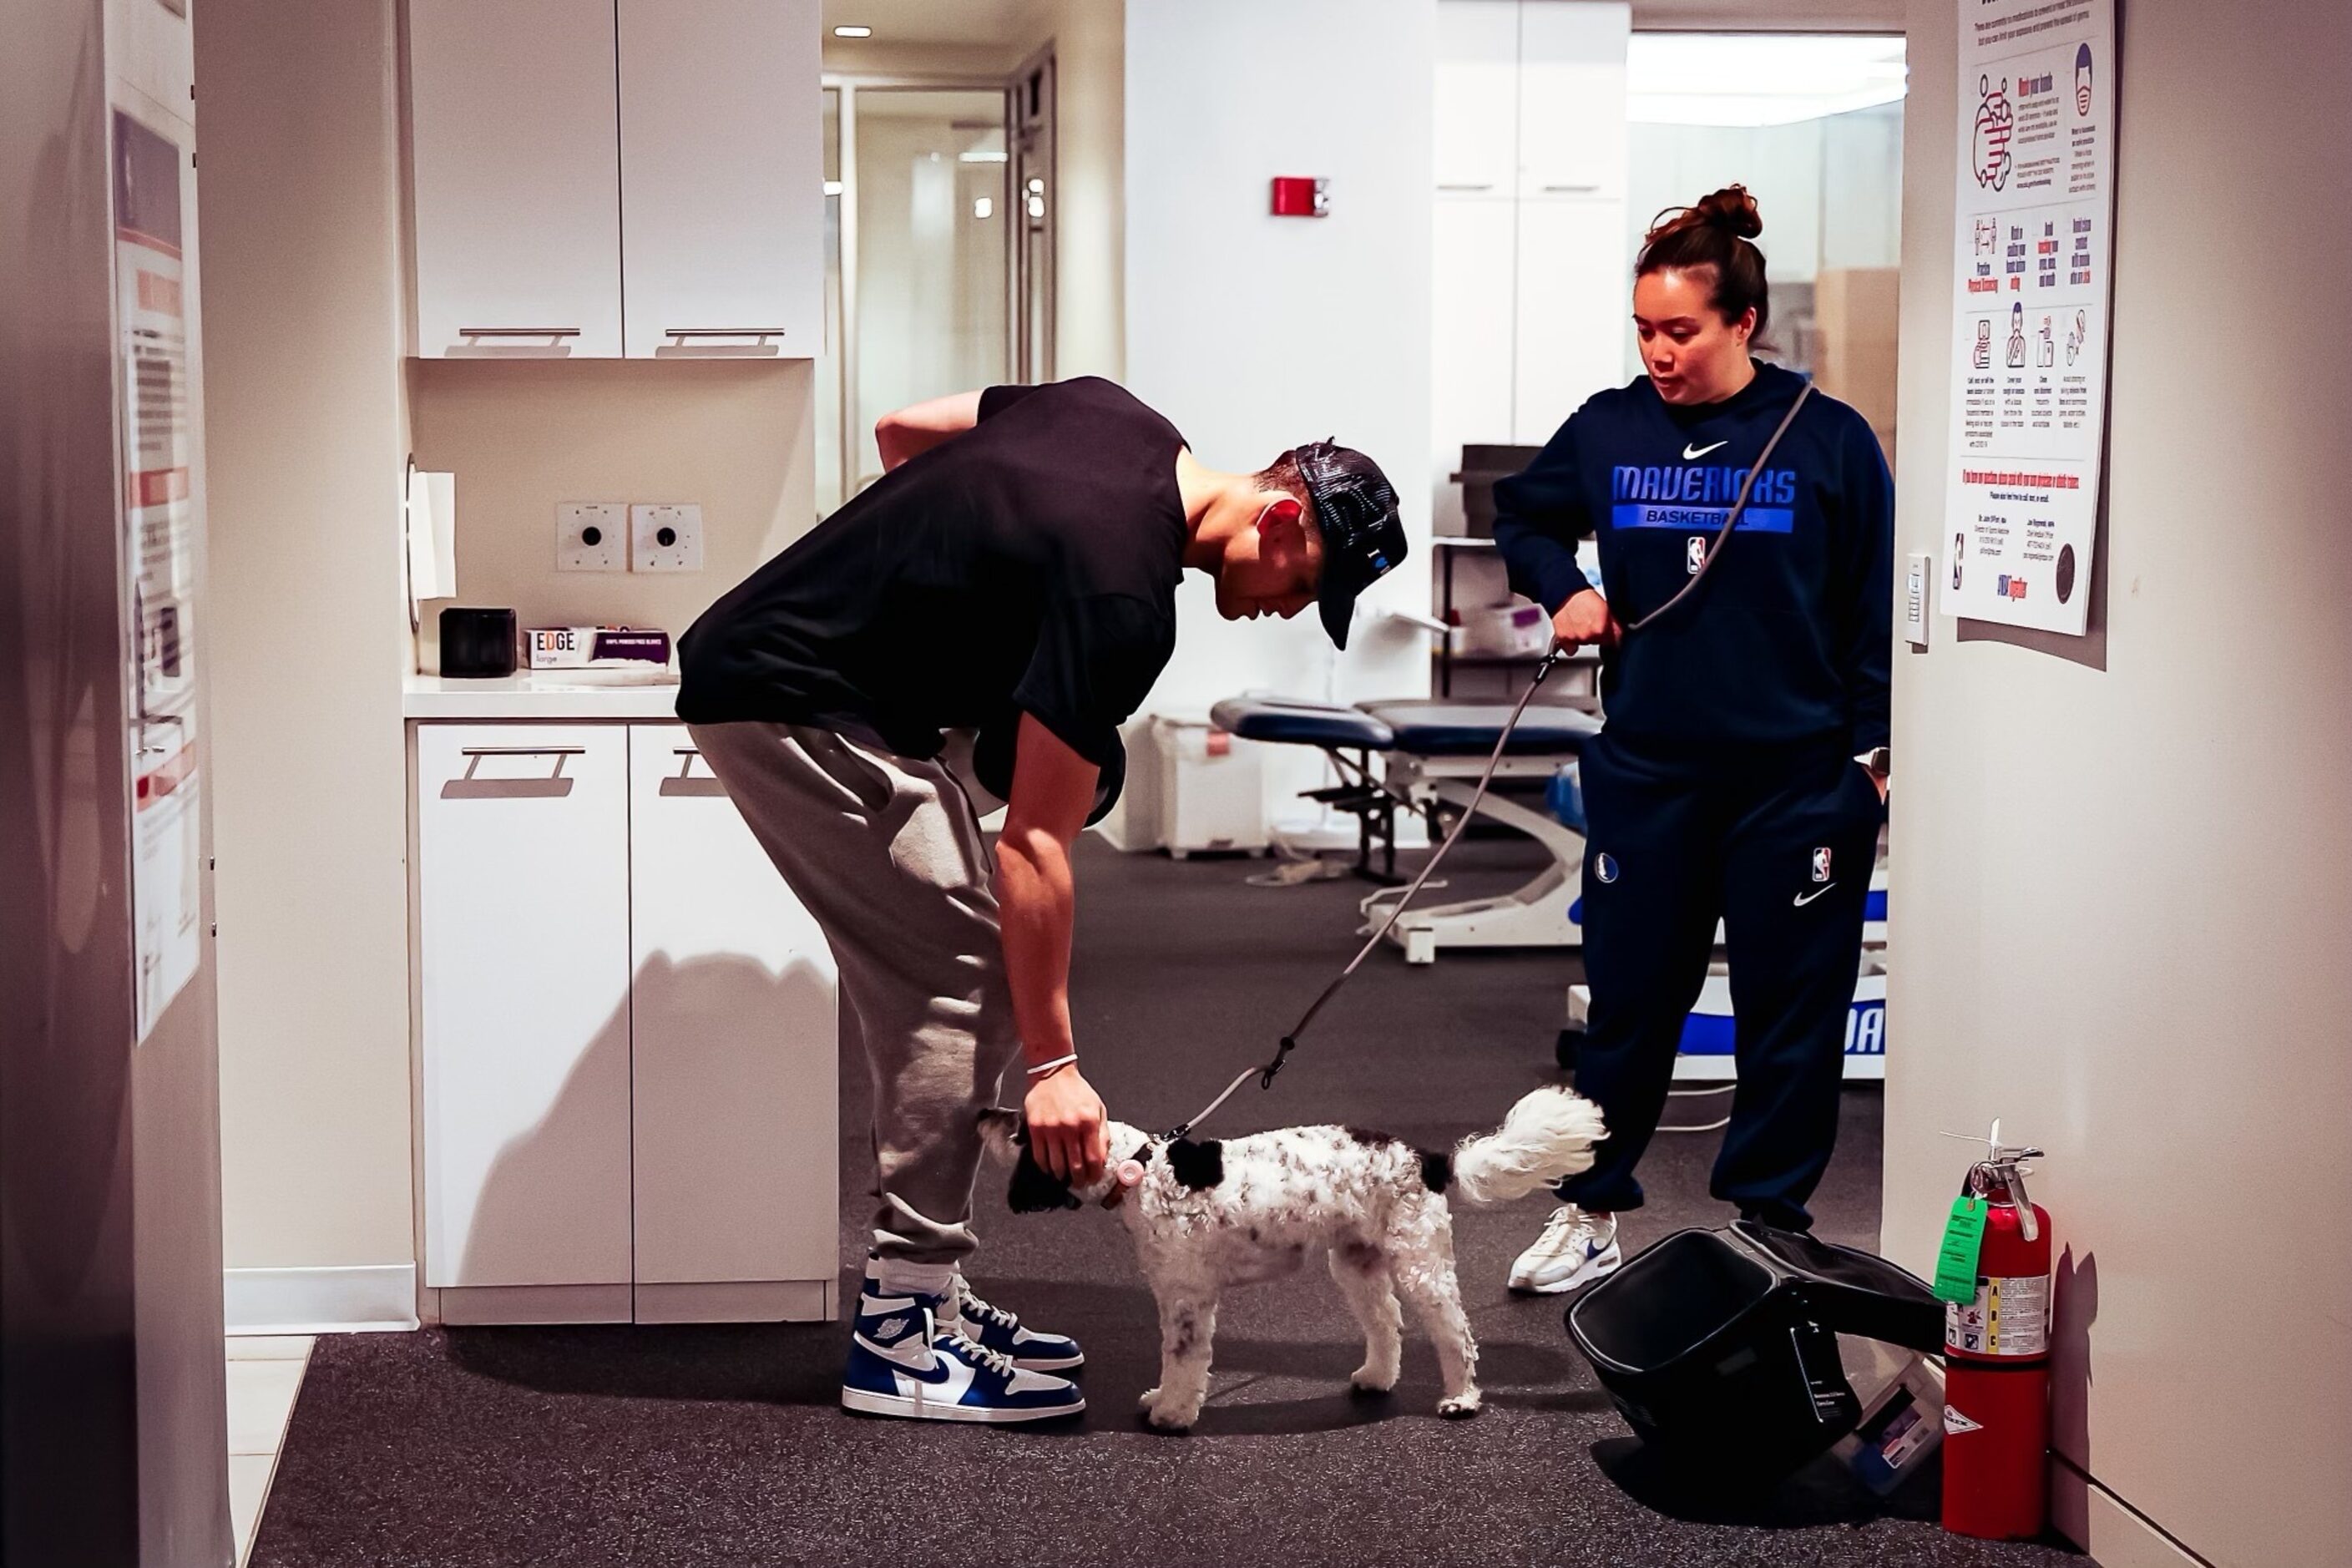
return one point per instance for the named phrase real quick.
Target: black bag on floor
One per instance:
(1719, 1347)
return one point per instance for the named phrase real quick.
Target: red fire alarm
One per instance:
(1298, 197)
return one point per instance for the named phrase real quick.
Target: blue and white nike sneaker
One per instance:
(1575, 1249)
(997, 1329)
(991, 1326)
(903, 1363)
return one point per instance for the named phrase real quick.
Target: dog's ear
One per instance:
(1198, 1166)
(1002, 1134)
(1034, 1191)
(1034, 1188)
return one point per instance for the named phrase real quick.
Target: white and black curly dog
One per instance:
(1208, 1215)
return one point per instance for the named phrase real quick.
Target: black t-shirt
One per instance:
(1029, 564)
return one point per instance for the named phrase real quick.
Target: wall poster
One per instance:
(162, 530)
(2034, 210)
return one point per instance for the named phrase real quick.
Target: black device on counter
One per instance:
(476, 643)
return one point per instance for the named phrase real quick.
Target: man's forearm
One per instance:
(910, 432)
(1036, 901)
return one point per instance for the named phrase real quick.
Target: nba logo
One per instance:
(1821, 864)
(1693, 555)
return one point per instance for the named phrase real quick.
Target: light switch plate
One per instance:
(590, 536)
(665, 538)
(1918, 575)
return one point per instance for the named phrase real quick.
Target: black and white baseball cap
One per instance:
(1356, 515)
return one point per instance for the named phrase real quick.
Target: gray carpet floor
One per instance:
(589, 1447)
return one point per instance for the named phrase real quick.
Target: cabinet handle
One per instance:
(1484, 185)
(684, 783)
(678, 348)
(1571, 190)
(553, 786)
(513, 343)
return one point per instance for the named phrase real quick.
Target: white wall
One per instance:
(300, 222)
(524, 435)
(1255, 333)
(2124, 863)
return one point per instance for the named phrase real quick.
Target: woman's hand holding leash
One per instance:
(1586, 618)
(1067, 1130)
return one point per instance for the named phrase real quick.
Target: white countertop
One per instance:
(544, 694)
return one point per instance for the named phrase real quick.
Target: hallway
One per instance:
(722, 1446)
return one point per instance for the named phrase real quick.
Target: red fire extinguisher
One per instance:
(1997, 1362)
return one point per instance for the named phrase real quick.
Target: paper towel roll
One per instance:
(432, 525)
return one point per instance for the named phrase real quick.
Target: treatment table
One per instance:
(1432, 753)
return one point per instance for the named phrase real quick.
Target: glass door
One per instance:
(919, 277)
(940, 248)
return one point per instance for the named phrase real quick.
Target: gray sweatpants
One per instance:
(886, 852)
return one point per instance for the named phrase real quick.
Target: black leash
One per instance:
(1266, 1073)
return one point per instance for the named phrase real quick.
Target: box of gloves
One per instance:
(595, 648)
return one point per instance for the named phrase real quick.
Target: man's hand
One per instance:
(1585, 619)
(1066, 1134)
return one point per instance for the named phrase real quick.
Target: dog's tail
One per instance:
(1547, 1136)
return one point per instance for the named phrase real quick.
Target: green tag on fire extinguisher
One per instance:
(1956, 1261)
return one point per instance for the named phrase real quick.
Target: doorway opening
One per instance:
(939, 250)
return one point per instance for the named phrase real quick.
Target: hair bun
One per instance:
(1731, 208)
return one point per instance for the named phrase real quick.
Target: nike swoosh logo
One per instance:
(948, 1387)
(1804, 898)
(915, 1354)
(1692, 454)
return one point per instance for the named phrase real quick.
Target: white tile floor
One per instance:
(265, 1374)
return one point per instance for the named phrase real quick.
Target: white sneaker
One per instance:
(1575, 1249)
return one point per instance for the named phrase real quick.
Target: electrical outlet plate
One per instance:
(576, 551)
(665, 538)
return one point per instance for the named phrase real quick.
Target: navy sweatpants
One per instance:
(1777, 845)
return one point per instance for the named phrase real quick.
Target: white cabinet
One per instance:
(1478, 97)
(1574, 294)
(513, 122)
(1571, 98)
(626, 1037)
(596, 178)
(1528, 258)
(721, 178)
(522, 871)
(1474, 260)
(733, 1037)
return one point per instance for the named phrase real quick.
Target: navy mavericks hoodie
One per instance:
(1787, 642)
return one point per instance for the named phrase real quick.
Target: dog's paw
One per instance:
(1149, 1400)
(1369, 1382)
(1459, 1407)
(1165, 1415)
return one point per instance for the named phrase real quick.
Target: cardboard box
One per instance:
(593, 647)
(1858, 311)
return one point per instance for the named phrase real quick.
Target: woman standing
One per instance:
(1742, 774)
